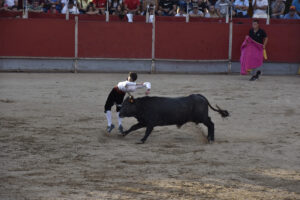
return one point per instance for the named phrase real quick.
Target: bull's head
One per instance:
(128, 108)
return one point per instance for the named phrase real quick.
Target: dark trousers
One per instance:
(115, 97)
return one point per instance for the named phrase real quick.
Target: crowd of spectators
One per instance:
(285, 9)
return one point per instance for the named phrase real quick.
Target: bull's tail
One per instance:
(223, 113)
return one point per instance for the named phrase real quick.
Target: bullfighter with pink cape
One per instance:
(251, 55)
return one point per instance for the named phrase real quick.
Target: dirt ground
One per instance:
(53, 143)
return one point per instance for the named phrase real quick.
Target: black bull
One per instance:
(162, 111)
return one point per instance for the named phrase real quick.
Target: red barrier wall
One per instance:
(174, 40)
(37, 38)
(283, 44)
(193, 41)
(114, 40)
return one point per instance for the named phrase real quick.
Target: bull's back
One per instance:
(169, 111)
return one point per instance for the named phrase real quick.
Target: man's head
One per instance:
(36, 4)
(255, 24)
(195, 9)
(71, 4)
(212, 8)
(132, 76)
(53, 8)
(129, 108)
(292, 10)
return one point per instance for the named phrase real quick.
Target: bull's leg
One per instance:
(133, 128)
(147, 133)
(211, 129)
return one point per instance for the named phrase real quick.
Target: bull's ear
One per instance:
(131, 99)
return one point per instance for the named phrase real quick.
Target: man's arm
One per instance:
(265, 42)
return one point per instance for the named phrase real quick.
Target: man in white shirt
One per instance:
(260, 8)
(196, 12)
(221, 7)
(181, 12)
(72, 8)
(10, 3)
(241, 8)
(117, 95)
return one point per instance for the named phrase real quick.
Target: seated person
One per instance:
(167, 8)
(132, 7)
(57, 4)
(148, 5)
(11, 4)
(292, 14)
(91, 10)
(221, 7)
(196, 12)
(181, 12)
(53, 9)
(113, 5)
(82, 5)
(212, 13)
(296, 3)
(120, 12)
(278, 8)
(241, 8)
(35, 7)
(100, 6)
(260, 8)
(71, 7)
(202, 6)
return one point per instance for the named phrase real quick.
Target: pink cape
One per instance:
(251, 55)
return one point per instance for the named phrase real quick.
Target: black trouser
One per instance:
(115, 97)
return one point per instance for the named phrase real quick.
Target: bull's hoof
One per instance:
(140, 142)
(124, 134)
(209, 140)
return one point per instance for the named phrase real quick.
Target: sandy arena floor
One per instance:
(53, 143)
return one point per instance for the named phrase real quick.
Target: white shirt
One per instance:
(198, 13)
(260, 3)
(178, 15)
(73, 10)
(241, 3)
(10, 3)
(127, 86)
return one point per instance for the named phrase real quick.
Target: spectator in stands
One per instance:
(35, 7)
(71, 7)
(211, 2)
(148, 5)
(100, 6)
(120, 12)
(202, 5)
(292, 14)
(196, 12)
(221, 7)
(278, 8)
(296, 3)
(113, 5)
(181, 12)
(241, 8)
(132, 7)
(2, 7)
(91, 10)
(48, 4)
(11, 4)
(260, 8)
(52, 9)
(167, 7)
(82, 5)
(212, 13)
